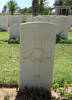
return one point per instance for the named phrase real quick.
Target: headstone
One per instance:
(69, 18)
(4, 23)
(40, 18)
(29, 18)
(23, 18)
(63, 25)
(37, 54)
(15, 26)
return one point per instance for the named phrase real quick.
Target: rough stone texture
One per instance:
(4, 22)
(37, 54)
(15, 26)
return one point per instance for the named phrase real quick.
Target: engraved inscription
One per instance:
(36, 76)
(37, 54)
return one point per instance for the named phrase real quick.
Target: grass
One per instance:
(9, 61)
(70, 36)
(63, 63)
(4, 35)
(9, 64)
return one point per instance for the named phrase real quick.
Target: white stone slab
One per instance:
(37, 54)
(20, 17)
(15, 26)
(29, 18)
(63, 23)
(63, 26)
(4, 22)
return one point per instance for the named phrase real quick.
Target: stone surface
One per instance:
(37, 54)
(63, 26)
(63, 23)
(21, 18)
(15, 26)
(29, 18)
(4, 22)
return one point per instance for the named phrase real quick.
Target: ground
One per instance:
(9, 64)
(11, 93)
(4, 35)
(63, 62)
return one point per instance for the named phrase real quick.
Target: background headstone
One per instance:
(63, 24)
(15, 26)
(4, 23)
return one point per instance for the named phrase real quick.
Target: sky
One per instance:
(22, 3)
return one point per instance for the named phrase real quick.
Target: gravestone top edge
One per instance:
(38, 22)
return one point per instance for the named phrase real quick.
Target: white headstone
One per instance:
(40, 18)
(15, 26)
(69, 18)
(37, 54)
(4, 22)
(29, 18)
(23, 18)
(63, 25)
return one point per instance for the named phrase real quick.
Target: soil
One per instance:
(8, 91)
(12, 93)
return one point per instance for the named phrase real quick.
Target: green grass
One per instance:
(4, 35)
(63, 63)
(70, 36)
(9, 64)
